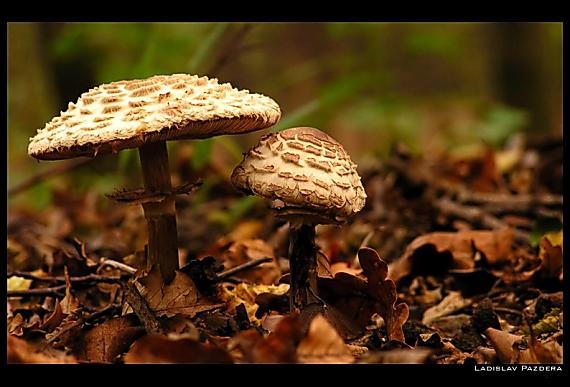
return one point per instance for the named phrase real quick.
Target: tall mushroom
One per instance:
(310, 180)
(144, 114)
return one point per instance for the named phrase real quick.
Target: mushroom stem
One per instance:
(160, 216)
(303, 265)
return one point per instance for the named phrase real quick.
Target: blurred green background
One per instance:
(432, 86)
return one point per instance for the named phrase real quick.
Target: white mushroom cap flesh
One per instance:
(128, 114)
(304, 171)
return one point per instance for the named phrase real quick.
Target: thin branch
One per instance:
(117, 265)
(53, 291)
(86, 278)
(141, 308)
(234, 270)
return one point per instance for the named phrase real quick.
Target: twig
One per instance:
(117, 265)
(85, 278)
(507, 310)
(33, 180)
(141, 308)
(476, 215)
(53, 291)
(234, 270)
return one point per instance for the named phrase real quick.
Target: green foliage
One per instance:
(201, 152)
(500, 123)
(228, 218)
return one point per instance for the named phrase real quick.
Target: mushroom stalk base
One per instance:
(303, 266)
(161, 216)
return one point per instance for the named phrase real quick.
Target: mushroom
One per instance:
(310, 180)
(144, 114)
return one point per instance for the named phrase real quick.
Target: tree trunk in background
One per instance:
(526, 76)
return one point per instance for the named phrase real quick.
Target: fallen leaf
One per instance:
(397, 356)
(169, 349)
(506, 347)
(550, 253)
(357, 298)
(548, 352)
(19, 351)
(178, 297)
(279, 347)
(16, 325)
(441, 251)
(18, 283)
(323, 345)
(449, 325)
(108, 340)
(243, 251)
(69, 303)
(450, 304)
(246, 294)
(54, 319)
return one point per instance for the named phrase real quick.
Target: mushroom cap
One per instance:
(305, 172)
(128, 114)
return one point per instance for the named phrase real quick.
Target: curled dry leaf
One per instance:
(450, 304)
(440, 251)
(108, 340)
(323, 344)
(359, 298)
(169, 349)
(507, 348)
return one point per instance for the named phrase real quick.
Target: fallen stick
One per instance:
(476, 215)
(141, 308)
(234, 270)
(53, 291)
(86, 278)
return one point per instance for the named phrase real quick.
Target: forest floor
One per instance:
(454, 260)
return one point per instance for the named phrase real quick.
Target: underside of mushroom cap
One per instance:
(304, 172)
(128, 114)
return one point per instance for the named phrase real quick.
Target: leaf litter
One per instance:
(441, 267)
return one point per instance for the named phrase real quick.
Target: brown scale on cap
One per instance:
(170, 107)
(309, 171)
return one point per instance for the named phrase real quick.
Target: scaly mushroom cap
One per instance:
(304, 171)
(127, 114)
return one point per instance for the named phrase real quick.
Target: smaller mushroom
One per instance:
(310, 180)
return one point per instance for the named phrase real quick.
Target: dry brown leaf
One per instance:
(16, 325)
(19, 351)
(550, 254)
(54, 319)
(453, 250)
(358, 298)
(178, 297)
(69, 303)
(450, 304)
(398, 356)
(243, 251)
(279, 347)
(108, 340)
(505, 345)
(323, 345)
(246, 294)
(168, 349)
